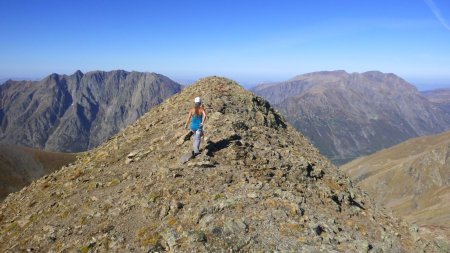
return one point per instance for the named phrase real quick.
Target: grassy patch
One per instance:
(171, 221)
(114, 182)
(151, 240)
(147, 236)
(64, 214)
(77, 174)
(11, 226)
(219, 196)
(153, 197)
(290, 208)
(84, 249)
(290, 229)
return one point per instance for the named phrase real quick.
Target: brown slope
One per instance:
(412, 179)
(349, 115)
(77, 112)
(19, 166)
(258, 185)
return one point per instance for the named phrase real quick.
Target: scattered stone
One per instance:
(235, 227)
(258, 186)
(129, 160)
(170, 238)
(252, 195)
(201, 164)
(197, 236)
(132, 154)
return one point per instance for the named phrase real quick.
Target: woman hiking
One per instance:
(197, 117)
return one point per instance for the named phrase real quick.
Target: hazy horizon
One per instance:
(250, 42)
(421, 86)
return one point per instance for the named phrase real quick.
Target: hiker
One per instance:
(197, 117)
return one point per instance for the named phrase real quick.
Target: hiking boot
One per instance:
(195, 154)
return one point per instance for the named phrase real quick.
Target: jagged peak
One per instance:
(78, 73)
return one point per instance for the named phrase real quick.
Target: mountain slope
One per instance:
(77, 112)
(258, 185)
(19, 166)
(349, 115)
(412, 178)
(439, 97)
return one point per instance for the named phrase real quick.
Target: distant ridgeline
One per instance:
(77, 112)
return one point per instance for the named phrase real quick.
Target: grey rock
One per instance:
(197, 236)
(185, 158)
(77, 112)
(235, 226)
(170, 238)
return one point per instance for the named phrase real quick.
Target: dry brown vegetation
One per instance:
(19, 166)
(412, 179)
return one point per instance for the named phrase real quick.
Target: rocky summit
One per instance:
(258, 185)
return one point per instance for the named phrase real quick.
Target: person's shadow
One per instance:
(212, 147)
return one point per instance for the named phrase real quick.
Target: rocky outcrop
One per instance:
(19, 166)
(258, 185)
(413, 180)
(77, 112)
(349, 115)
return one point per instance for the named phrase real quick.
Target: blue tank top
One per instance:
(196, 121)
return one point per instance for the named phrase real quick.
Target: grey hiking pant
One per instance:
(197, 140)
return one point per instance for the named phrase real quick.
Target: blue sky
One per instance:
(249, 41)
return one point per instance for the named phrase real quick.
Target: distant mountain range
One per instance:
(412, 178)
(348, 115)
(77, 112)
(19, 166)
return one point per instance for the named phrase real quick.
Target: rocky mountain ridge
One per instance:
(77, 112)
(258, 185)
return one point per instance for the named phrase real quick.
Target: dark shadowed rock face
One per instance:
(77, 112)
(349, 115)
(257, 186)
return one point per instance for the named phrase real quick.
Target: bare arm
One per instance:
(203, 118)
(188, 119)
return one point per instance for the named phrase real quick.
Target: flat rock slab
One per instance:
(185, 158)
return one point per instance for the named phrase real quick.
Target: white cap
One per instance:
(197, 100)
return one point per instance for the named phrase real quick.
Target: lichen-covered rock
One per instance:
(258, 185)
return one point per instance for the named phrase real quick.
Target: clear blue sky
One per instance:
(250, 41)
